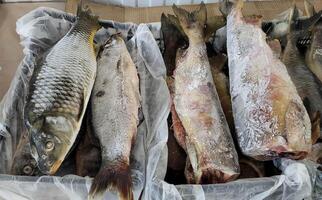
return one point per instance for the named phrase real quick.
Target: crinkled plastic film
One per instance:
(42, 28)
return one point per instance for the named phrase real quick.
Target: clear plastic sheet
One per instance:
(39, 30)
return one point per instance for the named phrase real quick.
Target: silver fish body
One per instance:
(59, 92)
(115, 104)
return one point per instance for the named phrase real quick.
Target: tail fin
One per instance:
(309, 8)
(195, 20)
(225, 7)
(174, 38)
(213, 24)
(300, 27)
(86, 14)
(117, 176)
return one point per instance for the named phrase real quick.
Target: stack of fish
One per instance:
(226, 119)
(270, 91)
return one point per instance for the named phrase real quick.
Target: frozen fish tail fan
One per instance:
(115, 104)
(59, 91)
(307, 83)
(209, 145)
(271, 120)
(174, 38)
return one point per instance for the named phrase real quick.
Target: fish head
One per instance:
(51, 138)
(23, 163)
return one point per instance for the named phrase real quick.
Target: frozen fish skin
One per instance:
(59, 92)
(209, 144)
(270, 118)
(115, 104)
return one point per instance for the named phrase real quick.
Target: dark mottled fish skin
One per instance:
(23, 163)
(314, 52)
(173, 38)
(88, 151)
(209, 144)
(307, 84)
(59, 93)
(115, 104)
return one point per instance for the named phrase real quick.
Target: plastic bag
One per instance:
(296, 183)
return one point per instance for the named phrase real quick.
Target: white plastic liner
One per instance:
(39, 30)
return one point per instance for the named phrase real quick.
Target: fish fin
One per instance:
(239, 4)
(174, 21)
(309, 8)
(315, 120)
(113, 175)
(225, 7)
(303, 24)
(213, 24)
(194, 20)
(85, 13)
(174, 38)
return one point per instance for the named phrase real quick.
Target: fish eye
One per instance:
(50, 163)
(27, 169)
(49, 146)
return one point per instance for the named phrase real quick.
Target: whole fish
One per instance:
(88, 152)
(115, 104)
(309, 87)
(59, 92)
(23, 162)
(209, 144)
(269, 115)
(314, 52)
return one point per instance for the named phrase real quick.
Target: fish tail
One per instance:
(85, 14)
(195, 20)
(225, 7)
(300, 27)
(239, 4)
(173, 37)
(113, 175)
(309, 8)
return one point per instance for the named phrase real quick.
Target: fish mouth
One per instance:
(55, 167)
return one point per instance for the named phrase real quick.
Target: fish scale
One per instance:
(59, 92)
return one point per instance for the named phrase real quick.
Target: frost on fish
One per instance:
(270, 117)
(208, 142)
